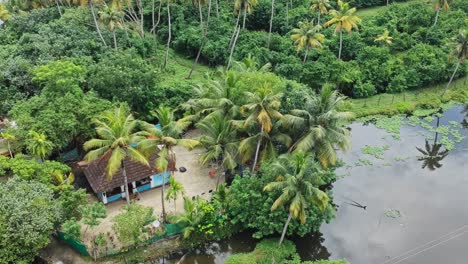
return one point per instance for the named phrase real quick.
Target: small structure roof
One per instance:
(95, 172)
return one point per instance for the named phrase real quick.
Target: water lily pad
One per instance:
(393, 213)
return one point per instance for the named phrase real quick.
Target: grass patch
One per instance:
(375, 10)
(377, 152)
(409, 101)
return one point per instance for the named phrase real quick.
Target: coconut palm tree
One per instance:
(62, 181)
(298, 177)
(244, 6)
(9, 138)
(384, 38)
(91, 4)
(319, 126)
(321, 6)
(460, 52)
(175, 189)
(38, 145)
(262, 112)
(220, 141)
(343, 18)
(191, 218)
(271, 22)
(117, 131)
(204, 30)
(438, 5)
(307, 36)
(162, 143)
(111, 18)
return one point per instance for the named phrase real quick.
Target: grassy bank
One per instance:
(407, 102)
(372, 11)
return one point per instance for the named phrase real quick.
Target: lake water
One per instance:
(413, 215)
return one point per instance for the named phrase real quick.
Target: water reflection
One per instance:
(432, 153)
(464, 123)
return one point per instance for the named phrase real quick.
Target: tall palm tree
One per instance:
(321, 6)
(175, 189)
(271, 22)
(319, 126)
(220, 141)
(204, 30)
(262, 112)
(168, 138)
(117, 131)
(9, 138)
(384, 38)
(343, 18)
(169, 30)
(307, 36)
(298, 177)
(38, 145)
(91, 4)
(460, 52)
(438, 5)
(244, 6)
(215, 97)
(111, 18)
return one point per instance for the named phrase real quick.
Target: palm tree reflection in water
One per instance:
(432, 153)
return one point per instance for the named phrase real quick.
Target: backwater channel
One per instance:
(413, 215)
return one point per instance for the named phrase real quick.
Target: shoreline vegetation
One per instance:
(89, 77)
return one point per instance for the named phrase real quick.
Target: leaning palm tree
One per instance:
(244, 6)
(162, 141)
(220, 141)
(460, 52)
(384, 38)
(262, 113)
(271, 22)
(307, 36)
(438, 5)
(91, 4)
(175, 189)
(38, 145)
(319, 126)
(204, 30)
(321, 6)
(112, 19)
(298, 177)
(9, 138)
(117, 132)
(343, 18)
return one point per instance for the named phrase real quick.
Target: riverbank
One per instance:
(409, 101)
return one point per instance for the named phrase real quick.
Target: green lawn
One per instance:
(372, 11)
(409, 100)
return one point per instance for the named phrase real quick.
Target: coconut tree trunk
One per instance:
(285, 228)
(202, 44)
(115, 39)
(200, 12)
(451, 78)
(235, 31)
(437, 17)
(217, 8)
(170, 34)
(58, 7)
(257, 151)
(162, 196)
(91, 7)
(305, 55)
(245, 16)
(124, 172)
(140, 9)
(341, 44)
(153, 29)
(271, 21)
(232, 48)
(219, 168)
(9, 149)
(387, 2)
(153, 11)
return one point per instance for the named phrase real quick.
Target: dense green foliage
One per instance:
(28, 215)
(268, 251)
(130, 224)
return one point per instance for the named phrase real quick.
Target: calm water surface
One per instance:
(414, 215)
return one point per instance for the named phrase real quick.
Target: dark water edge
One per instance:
(407, 205)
